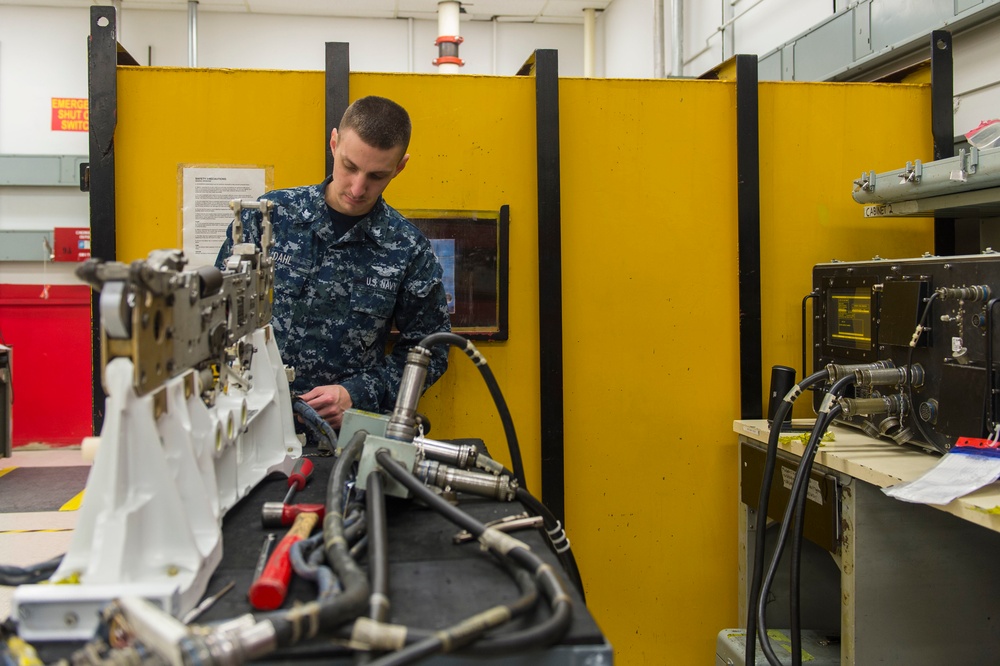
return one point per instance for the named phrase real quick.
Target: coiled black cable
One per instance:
(823, 420)
(491, 383)
(784, 408)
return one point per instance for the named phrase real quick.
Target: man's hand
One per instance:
(330, 402)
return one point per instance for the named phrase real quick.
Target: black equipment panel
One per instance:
(869, 311)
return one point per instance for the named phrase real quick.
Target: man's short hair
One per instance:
(379, 122)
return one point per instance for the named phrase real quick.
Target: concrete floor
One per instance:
(33, 537)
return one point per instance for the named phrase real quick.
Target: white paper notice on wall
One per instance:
(958, 473)
(207, 191)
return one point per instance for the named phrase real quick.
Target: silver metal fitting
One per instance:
(402, 424)
(891, 404)
(476, 483)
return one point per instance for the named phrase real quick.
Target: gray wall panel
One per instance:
(899, 21)
(824, 49)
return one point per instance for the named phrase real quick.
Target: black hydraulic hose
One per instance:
(355, 530)
(315, 618)
(557, 537)
(799, 501)
(422, 642)
(378, 547)
(825, 417)
(308, 562)
(795, 563)
(322, 432)
(491, 383)
(484, 646)
(762, 505)
(810, 296)
(547, 579)
(13, 576)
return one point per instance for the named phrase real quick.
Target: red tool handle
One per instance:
(300, 473)
(292, 511)
(269, 590)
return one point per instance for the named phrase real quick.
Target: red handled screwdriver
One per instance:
(298, 477)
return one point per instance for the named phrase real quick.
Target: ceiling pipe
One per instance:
(192, 33)
(448, 39)
(409, 45)
(658, 39)
(589, 23)
(495, 31)
(118, 20)
(728, 30)
(677, 37)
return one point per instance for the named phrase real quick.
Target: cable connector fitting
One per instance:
(892, 404)
(403, 421)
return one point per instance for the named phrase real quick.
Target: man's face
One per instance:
(360, 172)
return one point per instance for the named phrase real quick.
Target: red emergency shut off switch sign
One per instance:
(71, 244)
(70, 114)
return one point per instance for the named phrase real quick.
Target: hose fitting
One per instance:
(979, 292)
(838, 371)
(501, 488)
(912, 375)
(891, 404)
(402, 424)
(229, 648)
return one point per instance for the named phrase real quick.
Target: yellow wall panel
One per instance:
(652, 359)
(815, 139)
(173, 116)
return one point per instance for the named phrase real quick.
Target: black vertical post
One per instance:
(103, 87)
(338, 81)
(943, 127)
(748, 214)
(550, 278)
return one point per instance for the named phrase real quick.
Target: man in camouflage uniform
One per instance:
(348, 266)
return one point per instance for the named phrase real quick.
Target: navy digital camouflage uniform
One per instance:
(336, 299)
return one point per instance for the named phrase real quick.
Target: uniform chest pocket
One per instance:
(373, 308)
(371, 301)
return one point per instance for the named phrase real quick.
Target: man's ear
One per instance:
(333, 141)
(402, 164)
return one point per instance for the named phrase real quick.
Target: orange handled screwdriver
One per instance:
(298, 477)
(269, 590)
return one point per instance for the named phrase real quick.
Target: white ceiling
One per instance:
(530, 11)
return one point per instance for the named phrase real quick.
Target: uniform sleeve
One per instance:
(421, 309)
(226, 249)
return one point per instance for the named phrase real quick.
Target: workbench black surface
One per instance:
(433, 582)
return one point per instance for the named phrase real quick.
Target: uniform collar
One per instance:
(375, 224)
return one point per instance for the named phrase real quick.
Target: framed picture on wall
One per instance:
(473, 248)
